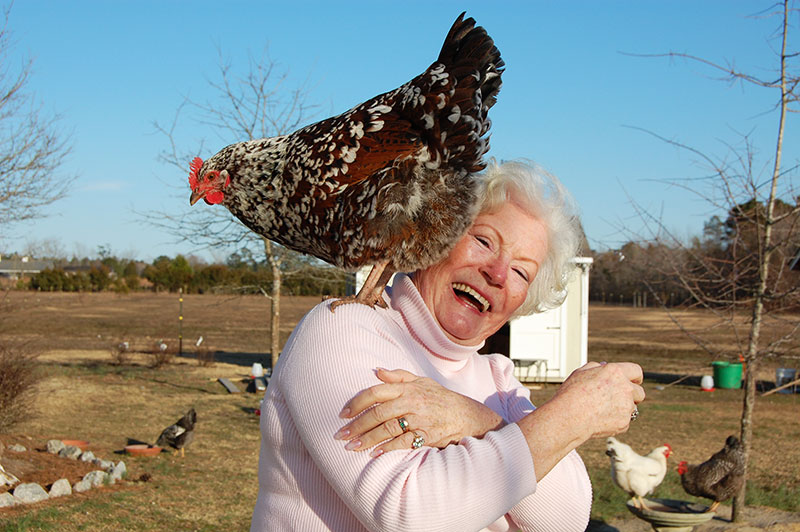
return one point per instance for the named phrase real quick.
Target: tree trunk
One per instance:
(763, 270)
(275, 296)
(275, 328)
(751, 361)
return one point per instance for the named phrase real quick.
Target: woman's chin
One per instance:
(463, 326)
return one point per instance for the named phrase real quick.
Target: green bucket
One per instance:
(727, 375)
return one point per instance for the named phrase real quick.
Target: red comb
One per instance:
(194, 167)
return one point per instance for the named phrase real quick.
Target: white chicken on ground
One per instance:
(635, 474)
(6, 478)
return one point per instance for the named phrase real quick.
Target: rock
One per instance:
(60, 488)
(97, 478)
(28, 493)
(105, 465)
(17, 448)
(55, 446)
(87, 456)
(81, 486)
(70, 451)
(118, 471)
(6, 499)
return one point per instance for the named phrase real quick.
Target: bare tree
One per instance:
(32, 149)
(748, 274)
(257, 105)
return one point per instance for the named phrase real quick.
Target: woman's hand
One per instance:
(438, 415)
(596, 400)
(606, 395)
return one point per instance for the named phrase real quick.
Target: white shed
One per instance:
(550, 345)
(545, 347)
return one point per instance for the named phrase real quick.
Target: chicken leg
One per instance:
(372, 292)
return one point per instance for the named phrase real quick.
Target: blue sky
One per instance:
(111, 69)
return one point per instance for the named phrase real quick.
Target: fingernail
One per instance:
(345, 412)
(376, 453)
(342, 434)
(355, 444)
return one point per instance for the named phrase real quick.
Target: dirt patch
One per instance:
(38, 466)
(229, 323)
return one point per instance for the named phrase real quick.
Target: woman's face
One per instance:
(474, 291)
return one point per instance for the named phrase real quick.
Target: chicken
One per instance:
(635, 474)
(179, 435)
(719, 478)
(390, 183)
(6, 478)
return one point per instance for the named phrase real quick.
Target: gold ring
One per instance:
(418, 442)
(403, 424)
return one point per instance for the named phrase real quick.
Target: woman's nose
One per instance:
(495, 270)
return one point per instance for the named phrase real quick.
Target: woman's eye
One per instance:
(522, 274)
(484, 242)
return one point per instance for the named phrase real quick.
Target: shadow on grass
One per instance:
(600, 526)
(236, 358)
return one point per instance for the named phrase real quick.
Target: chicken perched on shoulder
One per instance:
(635, 474)
(180, 434)
(390, 183)
(719, 478)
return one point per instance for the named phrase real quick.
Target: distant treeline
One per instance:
(172, 274)
(720, 266)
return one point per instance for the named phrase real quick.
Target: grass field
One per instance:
(85, 395)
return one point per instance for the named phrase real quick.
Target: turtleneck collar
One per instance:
(406, 299)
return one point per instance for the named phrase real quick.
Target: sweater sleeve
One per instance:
(330, 358)
(563, 498)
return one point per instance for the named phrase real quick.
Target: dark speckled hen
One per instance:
(390, 183)
(180, 434)
(719, 478)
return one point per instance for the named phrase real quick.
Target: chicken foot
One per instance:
(372, 292)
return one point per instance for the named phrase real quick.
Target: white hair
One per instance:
(542, 195)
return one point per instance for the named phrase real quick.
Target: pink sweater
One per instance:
(309, 482)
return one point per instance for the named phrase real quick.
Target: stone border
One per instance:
(31, 492)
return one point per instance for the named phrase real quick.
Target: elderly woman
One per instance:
(454, 443)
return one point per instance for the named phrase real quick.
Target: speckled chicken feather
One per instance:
(391, 180)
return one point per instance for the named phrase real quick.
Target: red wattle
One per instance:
(215, 197)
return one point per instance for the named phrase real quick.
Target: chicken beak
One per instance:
(195, 197)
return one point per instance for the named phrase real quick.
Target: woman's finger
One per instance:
(385, 432)
(395, 375)
(380, 393)
(404, 442)
(633, 372)
(385, 414)
(638, 394)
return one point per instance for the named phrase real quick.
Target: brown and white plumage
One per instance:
(180, 434)
(389, 183)
(719, 478)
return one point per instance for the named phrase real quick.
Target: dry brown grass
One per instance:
(86, 395)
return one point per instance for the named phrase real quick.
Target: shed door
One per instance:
(539, 336)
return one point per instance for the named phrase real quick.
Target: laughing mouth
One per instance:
(472, 296)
